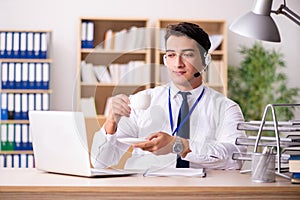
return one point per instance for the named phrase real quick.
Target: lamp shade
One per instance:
(258, 23)
(256, 26)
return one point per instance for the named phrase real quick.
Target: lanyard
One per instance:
(186, 117)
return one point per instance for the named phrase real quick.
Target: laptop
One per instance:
(60, 144)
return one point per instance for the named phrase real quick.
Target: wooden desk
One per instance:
(33, 184)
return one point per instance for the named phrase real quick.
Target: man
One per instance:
(195, 129)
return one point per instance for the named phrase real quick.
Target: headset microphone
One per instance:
(207, 61)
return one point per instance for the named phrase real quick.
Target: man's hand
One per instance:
(159, 143)
(118, 107)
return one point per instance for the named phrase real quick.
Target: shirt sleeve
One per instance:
(217, 153)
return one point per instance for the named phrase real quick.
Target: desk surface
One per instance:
(218, 184)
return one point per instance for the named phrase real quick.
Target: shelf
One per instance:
(11, 121)
(27, 60)
(26, 91)
(16, 152)
(269, 126)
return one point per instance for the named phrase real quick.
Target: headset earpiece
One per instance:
(207, 58)
(165, 60)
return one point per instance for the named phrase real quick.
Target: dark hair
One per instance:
(192, 31)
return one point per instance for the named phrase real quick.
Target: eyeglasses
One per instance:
(186, 55)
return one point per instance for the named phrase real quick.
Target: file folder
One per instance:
(4, 107)
(90, 35)
(36, 46)
(3, 137)
(16, 161)
(18, 145)
(1, 161)
(25, 75)
(38, 76)
(31, 102)
(11, 75)
(24, 136)
(16, 45)
(2, 45)
(38, 101)
(18, 76)
(24, 111)
(4, 76)
(31, 75)
(11, 137)
(46, 76)
(17, 111)
(23, 45)
(45, 104)
(44, 45)
(83, 34)
(30, 45)
(8, 161)
(10, 105)
(9, 43)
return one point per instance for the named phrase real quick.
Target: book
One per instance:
(294, 163)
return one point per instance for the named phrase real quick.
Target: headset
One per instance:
(206, 61)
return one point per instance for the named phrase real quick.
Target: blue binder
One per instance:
(24, 107)
(25, 75)
(31, 75)
(44, 45)
(18, 104)
(30, 43)
(46, 76)
(16, 45)
(11, 75)
(9, 44)
(18, 137)
(18, 76)
(23, 45)
(2, 44)
(4, 107)
(4, 76)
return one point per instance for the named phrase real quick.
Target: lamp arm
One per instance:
(283, 9)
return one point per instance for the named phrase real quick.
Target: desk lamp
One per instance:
(259, 24)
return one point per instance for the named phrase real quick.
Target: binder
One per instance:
(38, 101)
(25, 75)
(31, 76)
(9, 45)
(2, 45)
(8, 161)
(18, 77)
(11, 137)
(3, 137)
(17, 111)
(46, 76)
(24, 107)
(38, 76)
(45, 104)
(16, 45)
(44, 46)
(90, 35)
(31, 102)
(11, 75)
(10, 105)
(83, 34)
(4, 107)
(24, 137)
(4, 76)
(18, 132)
(16, 161)
(30, 49)
(1, 161)
(36, 46)
(23, 45)
(23, 161)
(30, 161)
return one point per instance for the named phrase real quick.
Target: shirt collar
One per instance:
(195, 92)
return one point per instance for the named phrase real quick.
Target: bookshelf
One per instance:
(216, 74)
(25, 62)
(119, 48)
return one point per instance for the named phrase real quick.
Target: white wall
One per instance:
(62, 16)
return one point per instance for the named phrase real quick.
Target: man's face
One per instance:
(183, 60)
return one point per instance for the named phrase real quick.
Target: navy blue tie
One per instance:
(184, 130)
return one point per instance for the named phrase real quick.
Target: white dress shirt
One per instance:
(213, 131)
